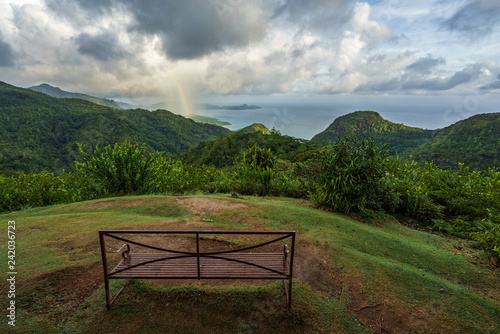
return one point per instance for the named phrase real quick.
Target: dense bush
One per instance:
(350, 176)
(413, 193)
(22, 191)
(429, 193)
(123, 169)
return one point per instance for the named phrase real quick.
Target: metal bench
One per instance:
(167, 263)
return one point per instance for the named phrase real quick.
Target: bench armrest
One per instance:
(125, 252)
(286, 251)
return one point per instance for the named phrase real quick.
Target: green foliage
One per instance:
(225, 151)
(413, 193)
(175, 177)
(255, 172)
(427, 192)
(22, 190)
(260, 173)
(461, 203)
(487, 233)
(351, 175)
(123, 169)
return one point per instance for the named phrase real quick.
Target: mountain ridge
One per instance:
(39, 132)
(474, 141)
(59, 93)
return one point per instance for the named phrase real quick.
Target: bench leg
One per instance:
(106, 288)
(109, 303)
(288, 293)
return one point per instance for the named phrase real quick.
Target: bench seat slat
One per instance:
(225, 266)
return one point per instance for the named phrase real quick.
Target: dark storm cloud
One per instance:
(493, 85)
(423, 82)
(461, 77)
(316, 14)
(187, 29)
(196, 28)
(477, 18)
(424, 65)
(6, 53)
(102, 47)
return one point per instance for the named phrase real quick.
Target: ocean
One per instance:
(307, 117)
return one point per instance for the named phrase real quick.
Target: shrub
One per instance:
(488, 234)
(351, 175)
(413, 190)
(255, 172)
(24, 190)
(122, 169)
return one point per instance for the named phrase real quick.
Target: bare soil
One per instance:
(208, 205)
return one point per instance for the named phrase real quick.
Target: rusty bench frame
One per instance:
(175, 264)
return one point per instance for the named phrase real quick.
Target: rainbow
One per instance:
(185, 100)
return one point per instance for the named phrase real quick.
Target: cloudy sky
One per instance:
(311, 48)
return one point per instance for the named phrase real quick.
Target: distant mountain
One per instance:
(256, 127)
(208, 106)
(38, 132)
(399, 138)
(125, 105)
(474, 141)
(59, 93)
(159, 105)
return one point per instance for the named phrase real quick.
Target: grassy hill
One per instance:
(474, 141)
(350, 277)
(39, 132)
(399, 138)
(59, 93)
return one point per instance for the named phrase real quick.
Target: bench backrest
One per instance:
(119, 235)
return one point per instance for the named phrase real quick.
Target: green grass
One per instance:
(380, 273)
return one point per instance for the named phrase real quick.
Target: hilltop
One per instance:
(398, 138)
(474, 141)
(256, 127)
(38, 132)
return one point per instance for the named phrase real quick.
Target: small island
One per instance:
(208, 106)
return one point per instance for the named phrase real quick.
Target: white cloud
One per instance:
(240, 47)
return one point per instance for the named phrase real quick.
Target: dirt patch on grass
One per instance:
(174, 224)
(102, 204)
(311, 267)
(209, 205)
